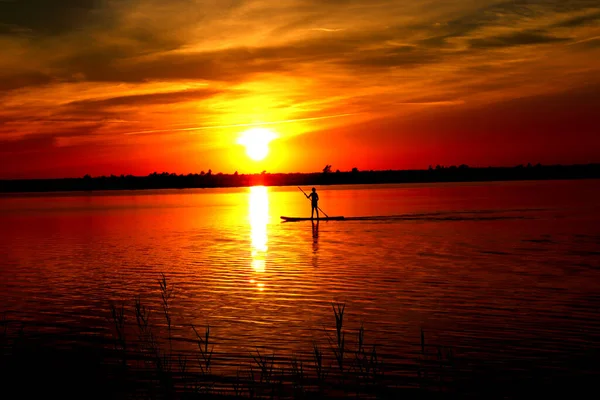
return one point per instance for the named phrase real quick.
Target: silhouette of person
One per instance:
(314, 201)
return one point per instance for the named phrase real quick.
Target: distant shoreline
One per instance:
(438, 174)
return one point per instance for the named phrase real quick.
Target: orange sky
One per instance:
(136, 86)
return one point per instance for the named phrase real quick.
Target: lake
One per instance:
(505, 273)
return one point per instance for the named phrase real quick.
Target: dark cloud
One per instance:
(146, 54)
(579, 21)
(515, 39)
(236, 64)
(41, 127)
(464, 25)
(231, 64)
(439, 41)
(24, 79)
(563, 5)
(147, 99)
(106, 66)
(533, 8)
(44, 16)
(404, 56)
(32, 118)
(501, 13)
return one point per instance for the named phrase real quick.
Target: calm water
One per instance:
(499, 271)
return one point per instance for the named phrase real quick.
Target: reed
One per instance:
(338, 344)
(205, 358)
(320, 370)
(4, 326)
(298, 377)
(436, 364)
(118, 321)
(150, 363)
(367, 365)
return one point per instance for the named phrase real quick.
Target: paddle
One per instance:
(319, 208)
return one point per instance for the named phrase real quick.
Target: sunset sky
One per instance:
(134, 86)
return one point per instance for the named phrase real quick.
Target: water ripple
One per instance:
(488, 270)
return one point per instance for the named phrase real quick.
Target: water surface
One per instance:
(499, 271)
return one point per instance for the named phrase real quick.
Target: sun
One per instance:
(256, 141)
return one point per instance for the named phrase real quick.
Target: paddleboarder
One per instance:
(314, 201)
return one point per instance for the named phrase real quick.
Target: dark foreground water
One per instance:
(507, 274)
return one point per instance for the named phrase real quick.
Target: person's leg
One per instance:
(312, 212)
(317, 210)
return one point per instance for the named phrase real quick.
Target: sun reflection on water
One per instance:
(259, 218)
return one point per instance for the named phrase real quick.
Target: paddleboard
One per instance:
(296, 219)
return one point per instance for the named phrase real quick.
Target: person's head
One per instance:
(314, 190)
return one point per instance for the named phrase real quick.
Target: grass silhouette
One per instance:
(138, 362)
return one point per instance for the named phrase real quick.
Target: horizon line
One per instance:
(332, 172)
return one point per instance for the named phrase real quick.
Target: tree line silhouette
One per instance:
(439, 173)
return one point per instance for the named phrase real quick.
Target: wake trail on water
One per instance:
(473, 215)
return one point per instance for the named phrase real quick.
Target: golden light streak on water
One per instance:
(258, 215)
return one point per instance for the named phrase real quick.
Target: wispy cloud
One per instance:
(327, 29)
(516, 39)
(580, 20)
(267, 123)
